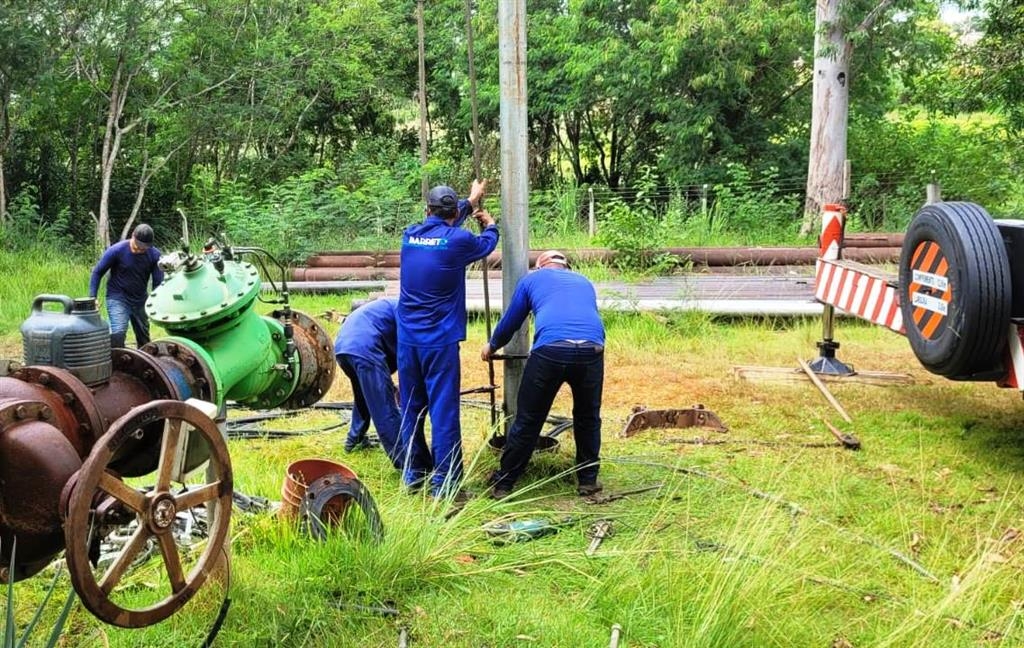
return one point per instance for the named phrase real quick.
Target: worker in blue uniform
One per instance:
(131, 264)
(366, 349)
(568, 347)
(431, 324)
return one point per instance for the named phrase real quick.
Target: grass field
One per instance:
(762, 540)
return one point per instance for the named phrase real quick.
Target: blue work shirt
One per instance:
(371, 332)
(432, 295)
(129, 273)
(564, 306)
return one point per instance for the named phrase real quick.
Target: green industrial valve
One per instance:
(207, 305)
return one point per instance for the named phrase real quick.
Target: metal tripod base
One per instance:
(826, 363)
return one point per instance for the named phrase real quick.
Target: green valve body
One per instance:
(208, 309)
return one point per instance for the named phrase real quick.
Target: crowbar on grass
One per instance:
(824, 390)
(604, 498)
(848, 441)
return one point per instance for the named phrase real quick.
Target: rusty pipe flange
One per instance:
(155, 511)
(137, 378)
(327, 501)
(148, 371)
(76, 396)
(36, 461)
(316, 360)
(201, 378)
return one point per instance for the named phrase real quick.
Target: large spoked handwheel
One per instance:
(97, 491)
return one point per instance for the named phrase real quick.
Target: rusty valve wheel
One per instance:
(155, 512)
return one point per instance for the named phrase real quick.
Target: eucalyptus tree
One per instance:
(842, 26)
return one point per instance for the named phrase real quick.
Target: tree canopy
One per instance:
(133, 109)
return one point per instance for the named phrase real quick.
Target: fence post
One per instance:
(591, 221)
(933, 192)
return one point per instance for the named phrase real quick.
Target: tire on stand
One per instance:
(955, 292)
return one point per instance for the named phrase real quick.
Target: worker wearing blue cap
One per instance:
(431, 324)
(366, 351)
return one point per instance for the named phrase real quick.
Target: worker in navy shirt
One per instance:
(568, 347)
(431, 324)
(366, 351)
(131, 265)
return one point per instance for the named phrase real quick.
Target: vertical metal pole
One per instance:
(515, 238)
(424, 181)
(476, 174)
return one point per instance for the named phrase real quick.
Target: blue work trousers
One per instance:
(547, 369)
(120, 314)
(429, 379)
(375, 399)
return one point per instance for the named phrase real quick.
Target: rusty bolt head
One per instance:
(148, 374)
(20, 412)
(189, 361)
(45, 413)
(44, 379)
(68, 398)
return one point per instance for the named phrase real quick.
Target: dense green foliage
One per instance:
(294, 125)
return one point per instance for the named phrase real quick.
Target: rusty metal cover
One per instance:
(696, 416)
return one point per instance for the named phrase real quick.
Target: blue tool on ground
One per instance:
(524, 530)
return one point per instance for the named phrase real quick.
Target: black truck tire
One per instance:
(955, 291)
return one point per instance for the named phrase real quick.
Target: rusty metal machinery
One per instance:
(82, 424)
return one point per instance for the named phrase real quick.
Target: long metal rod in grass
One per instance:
(792, 507)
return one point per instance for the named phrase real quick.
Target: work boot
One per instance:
(365, 443)
(499, 492)
(413, 481)
(586, 490)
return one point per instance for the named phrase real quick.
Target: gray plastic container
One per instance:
(75, 338)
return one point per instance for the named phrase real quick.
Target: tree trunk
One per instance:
(5, 124)
(112, 135)
(830, 108)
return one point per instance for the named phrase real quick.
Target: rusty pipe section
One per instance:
(53, 411)
(49, 422)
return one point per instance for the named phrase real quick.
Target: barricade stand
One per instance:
(833, 222)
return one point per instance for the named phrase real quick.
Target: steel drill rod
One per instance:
(616, 631)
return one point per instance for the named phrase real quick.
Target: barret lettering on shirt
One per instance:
(428, 241)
